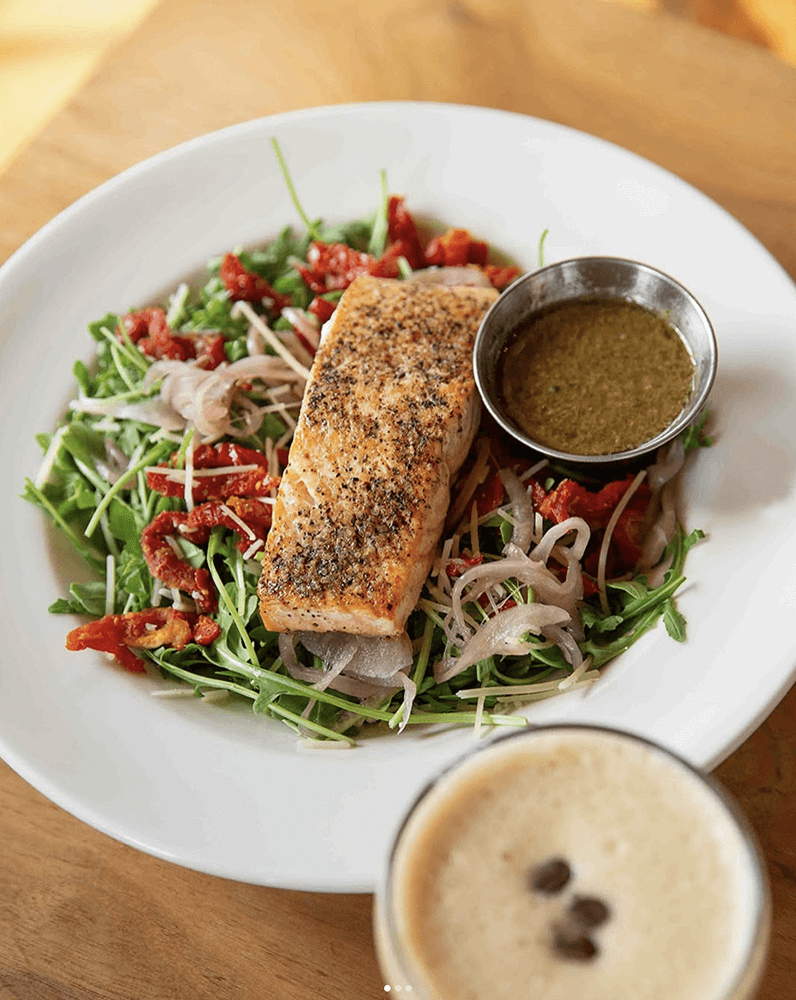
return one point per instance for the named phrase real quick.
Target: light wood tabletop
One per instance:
(83, 916)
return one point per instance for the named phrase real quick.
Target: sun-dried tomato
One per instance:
(147, 629)
(570, 499)
(333, 266)
(461, 564)
(322, 308)
(166, 565)
(501, 276)
(252, 510)
(248, 517)
(489, 495)
(402, 233)
(628, 534)
(252, 482)
(214, 456)
(387, 265)
(248, 286)
(455, 248)
(555, 506)
(337, 264)
(145, 323)
(149, 331)
(197, 525)
(210, 351)
(486, 604)
(314, 280)
(205, 630)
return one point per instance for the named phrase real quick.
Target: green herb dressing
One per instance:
(595, 376)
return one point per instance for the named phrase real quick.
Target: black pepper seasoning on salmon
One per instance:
(388, 416)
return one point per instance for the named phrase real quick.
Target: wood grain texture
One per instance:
(717, 111)
(83, 917)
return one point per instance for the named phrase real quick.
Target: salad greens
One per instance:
(93, 486)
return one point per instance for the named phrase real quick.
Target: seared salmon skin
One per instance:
(388, 416)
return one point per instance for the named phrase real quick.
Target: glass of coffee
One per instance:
(572, 861)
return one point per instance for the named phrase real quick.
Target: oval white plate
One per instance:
(217, 789)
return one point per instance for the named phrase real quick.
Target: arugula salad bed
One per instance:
(155, 502)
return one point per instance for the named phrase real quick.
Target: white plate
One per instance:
(225, 792)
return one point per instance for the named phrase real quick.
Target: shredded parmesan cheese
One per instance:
(214, 695)
(269, 336)
(180, 475)
(178, 300)
(48, 460)
(479, 714)
(110, 584)
(255, 545)
(189, 474)
(312, 744)
(603, 558)
(245, 529)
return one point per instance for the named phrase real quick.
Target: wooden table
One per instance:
(82, 916)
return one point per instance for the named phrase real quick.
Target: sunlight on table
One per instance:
(49, 50)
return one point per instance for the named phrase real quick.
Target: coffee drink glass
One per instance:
(573, 862)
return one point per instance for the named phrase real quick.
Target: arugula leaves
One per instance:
(103, 513)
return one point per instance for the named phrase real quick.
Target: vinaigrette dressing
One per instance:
(595, 376)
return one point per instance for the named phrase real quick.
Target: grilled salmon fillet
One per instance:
(389, 414)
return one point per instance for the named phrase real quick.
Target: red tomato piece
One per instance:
(150, 332)
(387, 265)
(252, 510)
(147, 629)
(500, 276)
(489, 495)
(254, 483)
(455, 249)
(251, 483)
(214, 456)
(570, 499)
(247, 286)
(148, 329)
(205, 631)
(322, 308)
(210, 351)
(461, 564)
(248, 517)
(402, 231)
(165, 565)
(314, 279)
(338, 263)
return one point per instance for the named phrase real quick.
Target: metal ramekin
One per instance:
(603, 277)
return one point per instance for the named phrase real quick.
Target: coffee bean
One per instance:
(588, 911)
(573, 945)
(550, 876)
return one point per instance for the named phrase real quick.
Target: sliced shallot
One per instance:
(521, 511)
(450, 276)
(502, 635)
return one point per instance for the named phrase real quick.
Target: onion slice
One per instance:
(502, 635)
(521, 511)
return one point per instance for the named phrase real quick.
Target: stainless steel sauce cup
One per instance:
(595, 277)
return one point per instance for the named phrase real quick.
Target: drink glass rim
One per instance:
(750, 965)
